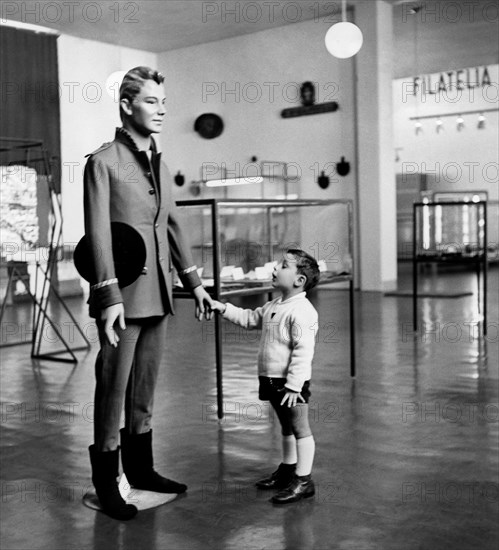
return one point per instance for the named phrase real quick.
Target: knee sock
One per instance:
(305, 448)
(288, 449)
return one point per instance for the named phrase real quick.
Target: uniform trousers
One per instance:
(126, 376)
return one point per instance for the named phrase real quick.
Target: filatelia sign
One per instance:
(460, 79)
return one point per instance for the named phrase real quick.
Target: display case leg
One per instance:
(485, 304)
(352, 330)
(414, 295)
(218, 359)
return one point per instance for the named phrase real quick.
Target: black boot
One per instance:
(279, 479)
(300, 487)
(137, 460)
(104, 474)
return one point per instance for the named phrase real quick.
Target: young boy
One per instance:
(289, 324)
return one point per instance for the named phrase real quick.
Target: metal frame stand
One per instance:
(40, 305)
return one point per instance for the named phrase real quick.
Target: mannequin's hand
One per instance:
(204, 303)
(110, 315)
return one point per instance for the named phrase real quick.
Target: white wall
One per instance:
(263, 71)
(282, 56)
(445, 35)
(88, 114)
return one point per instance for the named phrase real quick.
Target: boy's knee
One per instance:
(302, 433)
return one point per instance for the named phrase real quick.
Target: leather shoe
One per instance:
(300, 487)
(279, 479)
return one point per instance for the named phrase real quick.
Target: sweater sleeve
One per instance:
(302, 332)
(246, 318)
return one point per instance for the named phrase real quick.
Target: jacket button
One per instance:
(148, 174)
(156, 225)
(144, 271)
(152, 191)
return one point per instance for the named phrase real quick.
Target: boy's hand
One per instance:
(291, 397)
(218, 306)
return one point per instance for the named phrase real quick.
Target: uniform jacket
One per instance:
(120, 185)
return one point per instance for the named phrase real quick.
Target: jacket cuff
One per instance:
(190, 279)
(107, 295)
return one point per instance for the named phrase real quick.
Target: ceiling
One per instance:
(162, 25)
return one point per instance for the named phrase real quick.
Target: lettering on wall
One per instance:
(460, 79)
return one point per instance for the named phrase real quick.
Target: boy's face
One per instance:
(285, 276)
(146, 111)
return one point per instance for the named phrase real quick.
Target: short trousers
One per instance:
(269, 389)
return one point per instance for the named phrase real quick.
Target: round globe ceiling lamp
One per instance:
(344, 39)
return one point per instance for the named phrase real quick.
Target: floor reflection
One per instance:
(406, 452)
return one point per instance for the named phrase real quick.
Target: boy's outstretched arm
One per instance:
(247, 318)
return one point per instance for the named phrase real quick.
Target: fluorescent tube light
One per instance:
(234, 181)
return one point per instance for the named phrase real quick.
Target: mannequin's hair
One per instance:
(134, 80)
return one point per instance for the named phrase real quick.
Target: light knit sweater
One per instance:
(288, 337)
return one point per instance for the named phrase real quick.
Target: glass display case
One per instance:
(236, 243)
(450, 229)
(451, 232)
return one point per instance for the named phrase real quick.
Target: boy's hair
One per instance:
(306, 265)
(134, 80)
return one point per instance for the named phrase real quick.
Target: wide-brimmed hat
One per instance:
(129, 255)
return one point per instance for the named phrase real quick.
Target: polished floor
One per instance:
(406, 458)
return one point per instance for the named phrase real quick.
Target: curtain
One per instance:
(29, 106)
